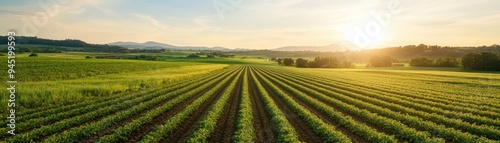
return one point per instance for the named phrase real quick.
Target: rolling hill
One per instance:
(327, 48)
(157, 45)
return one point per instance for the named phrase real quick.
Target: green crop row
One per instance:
(209, 122)
(161, 131)
(346, 121)
(39, 122)
(74, 134)
(414, 97)
(327, 131)
(403, 91)
(43, 112)
(396, 103)
(35, 113)
(57, 116)
(286, 132)
(417, 122)
(430, 107)
(120, 95)
(388, 124)
(121, 133)
(482, 130)
(464, 92)
(70, 122)
(244, 125)
(401, 87)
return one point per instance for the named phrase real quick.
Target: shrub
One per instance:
(33, 55)
(288, 61)
(302, 63)
(193, 56)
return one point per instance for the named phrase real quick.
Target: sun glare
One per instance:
(363, 35)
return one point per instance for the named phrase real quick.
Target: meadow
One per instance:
(249, 100)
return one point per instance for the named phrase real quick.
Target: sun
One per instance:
(363, 37)
(364, 34)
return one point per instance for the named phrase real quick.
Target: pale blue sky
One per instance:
(259, 24)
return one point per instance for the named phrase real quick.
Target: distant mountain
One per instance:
(339, 47)
(157, 45)
(328, 48)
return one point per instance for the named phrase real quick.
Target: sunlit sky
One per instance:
(259, 24)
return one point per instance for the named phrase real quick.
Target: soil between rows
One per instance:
(355, 138)
(121, 123)
(359, 119)
(226, 126)
(21, 131)
(264, 129)
(182, 132)
(305, 132)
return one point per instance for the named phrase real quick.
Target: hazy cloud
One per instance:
(262, 23)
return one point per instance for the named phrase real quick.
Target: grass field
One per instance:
(46, 81)
(248, 100)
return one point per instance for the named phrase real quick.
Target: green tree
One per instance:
(486, 61)
(33, 55)
(288, 61)
(280, 61)
(446, 62)
(302, 63)
(469, 61)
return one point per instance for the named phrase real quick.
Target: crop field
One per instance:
(252, 103)
(44, 81)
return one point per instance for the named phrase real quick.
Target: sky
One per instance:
(259, 24)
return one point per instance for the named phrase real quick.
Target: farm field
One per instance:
(258, 103)
(232, 71)
(44, 81)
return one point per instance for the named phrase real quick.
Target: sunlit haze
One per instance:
(259, 24)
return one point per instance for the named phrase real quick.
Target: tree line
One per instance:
(318, 62)
(402, 53)
(439, 62)
(73, 44)
(484, 61)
